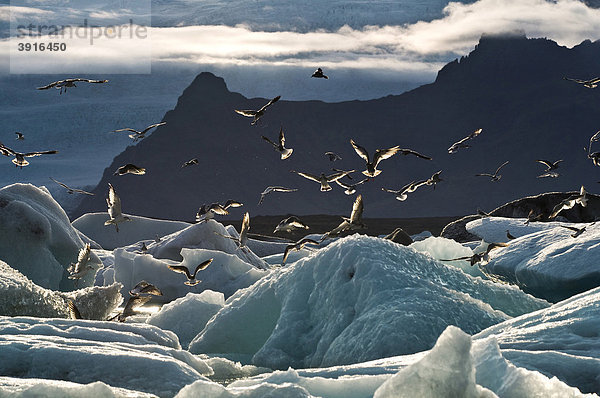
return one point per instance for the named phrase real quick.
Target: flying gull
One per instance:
(403, 192)
(190, 162)
(532, 217)
(270, 189)
(256, 115)
(323, 179)
(138, 135)
(350, 189)
(19, 159)
(495, 176)
(192, 281)
(206, 212)
(434, 179)
(79, 269)
(381, 154)
(71, 190)
(289, 224)
(73, 310)
(297, 246)
(20, 136)
(319, 74)
(577, 231)
(594, 156)
(483, 257)
(132, 304)
(114, 208)
(349, 224)
(64, 84)
(592, 83)
(463, 143)
(243, 239)
(144, 287)
(509, 236)
(333, 156)
(570, 202)
(131, 169)
(280, 147)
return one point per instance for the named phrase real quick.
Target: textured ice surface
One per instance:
(561, 341)
(138, 357)
(550, 263)
(36, 237)
(226, 274)
(358, 299)
(20, 296)
(187, 316)
(448, 249)
(493, 229)
(140, 228)
(12, 387)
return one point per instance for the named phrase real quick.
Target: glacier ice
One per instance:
(550, 263)
(36, 237)
(448, 249)
(187, 316)
(358, 299)
(493, 229)
(20, 296)
(139, 229)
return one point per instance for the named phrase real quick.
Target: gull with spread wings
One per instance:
(570, 202)
(463, 142)
(114, 208)
(256, 115)
(349, 224)
(206, 212)
(138, 135)
(192, 281)
(280, 147)
(71, 190)
(592, 83)
(402, 193)
(297, 246)
(495, 176)
(289, 224)
(482, 257)
(323, 179)
(270, 189)
(19, 160)
(381, 154)
(66, 83)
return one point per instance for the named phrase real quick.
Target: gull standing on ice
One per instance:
(138, 135)
(495, 176)
(206, 212)
(114, 208)
(192, 281)
(381, 154)
(64, 84)
(289, 224)
(463, 143)
(131, 169)
(297, 246)
(256, 115)
(270, 189)
(19, 160)
(280, 147)
(71, 190)
(323, 179)
(319, 74)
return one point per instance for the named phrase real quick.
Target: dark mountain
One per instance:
(512, 87)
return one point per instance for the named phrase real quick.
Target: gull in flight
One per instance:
(570, 202)
(323, 179)
(403, 192)
(19, 160)
(463, 143)
(297, 246)
(550, 167)
(333, 156)
(144, 287)
(243, 239)
(20, 136)
(532, 217)
(350, 189)
(133, 303)
(256, 115)
(594, 156)
(349, 224)
(206, 212)
(114, 208)
(190, 162)
(483, 257)
(289, 224)
(319, 74)
(280, 147)
(381, 154)
(64, 84)
(270, 189)
(81, 267)
(71, 190)
(73, 310)
(592, 83)
(192, 281)
(130, 168)
(138, 135)
(577, 231)
(495, 176)
(509, 236)
(434, 179)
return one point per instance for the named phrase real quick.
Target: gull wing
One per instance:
(133, 303)
(145, 287)
(61, 184)
(360, 151)
(338, 175)
(32, 154)
(217, 208)
(114, 202)
(286, 253)
(392, 191)
(410, 152)
(495, 245)
(571, 228)
(232, 203)
(283, 189)
(181, 269)
(244, 229)
(270, 142)
(546, 163)
(594, 138)
(382, 154)
(127, 129)
(357, 210)
(152, 126)
(51, 85)
(307, 175)
(90, 80)
(458, 258)
(281, 138)
(484, 175)
(268, 104)
(202, 266)
(247, 112)
(73, 310)
(84, 254)
(501, 166)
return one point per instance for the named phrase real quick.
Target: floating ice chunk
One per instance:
(138, 357)
(36, 237)
(446, 371)
(358, 299)
(11, 387)
(493, 229)
(550, 263)
(226, 274)
(448, 249)
(187, 316)
(138, 229)
(561, 341)
(22, 297)
(212, 390)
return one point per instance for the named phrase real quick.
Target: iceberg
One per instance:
(358, 299)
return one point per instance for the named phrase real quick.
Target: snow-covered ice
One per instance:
(448, 249)
(36, 237)
(136, 230)
(549, 263)
(493, 229)
(358, 299)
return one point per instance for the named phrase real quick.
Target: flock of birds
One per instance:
(143, 291)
